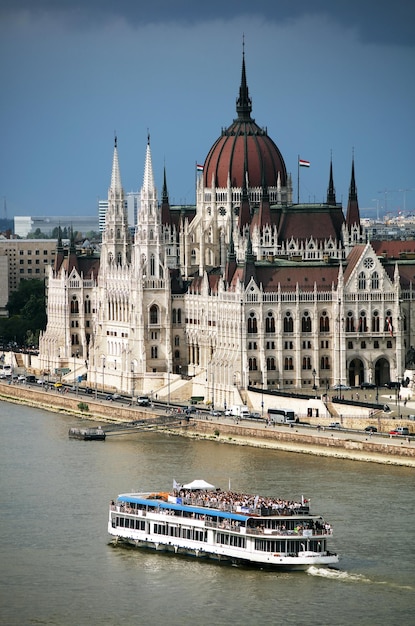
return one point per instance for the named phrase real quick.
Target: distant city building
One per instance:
(246, 288)
(23, 259)
(23, 225)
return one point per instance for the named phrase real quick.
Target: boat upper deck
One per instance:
(225, 502)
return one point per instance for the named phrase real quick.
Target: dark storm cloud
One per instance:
(376, 21)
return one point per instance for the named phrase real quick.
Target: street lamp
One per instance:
(103, 372)
(132, 382)
(314, 373)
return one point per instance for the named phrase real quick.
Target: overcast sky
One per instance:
(324, 77)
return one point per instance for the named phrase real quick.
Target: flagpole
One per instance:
(298, 179)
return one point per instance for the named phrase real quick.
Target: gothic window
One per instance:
(252, 323)
(179, 316)
(350, 323)
(362, 281)
(324, 323)
(87, 306)
(375, 280)
(177, 354)
(118, 233)
(362, 328)
(74, 305)
(222, 211)
(375, 322)
(193, 256)
(174, 316)
(306, 322)
(252, 364)
(177, 340)
(119, 258)
(325, 363)
(152, 265)
(270, 323)
(154, 315)
(271, 363)
(288, 323)
(306, 363)
(288, 363)
(151, 235)
(154, 352)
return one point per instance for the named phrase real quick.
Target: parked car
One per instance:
(335, 425)
(143, 401)
(58, 385)
(114, 396)
(371, 429)
(339, 387)
(368, 386)
(400, 430)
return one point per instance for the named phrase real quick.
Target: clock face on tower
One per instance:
(368, 263)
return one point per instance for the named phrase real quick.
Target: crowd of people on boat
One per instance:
(233, 501)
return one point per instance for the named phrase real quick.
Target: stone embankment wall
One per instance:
(369, 446)
(56, 401)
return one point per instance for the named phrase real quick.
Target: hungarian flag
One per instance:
(389, 323)
(303, 163)
(199, 168)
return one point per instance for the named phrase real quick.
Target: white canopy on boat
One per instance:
(199, 484)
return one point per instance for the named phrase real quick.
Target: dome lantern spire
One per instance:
(244, 102)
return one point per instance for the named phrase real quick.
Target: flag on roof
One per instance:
(303, 163)
(199, 168)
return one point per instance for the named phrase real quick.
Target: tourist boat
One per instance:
(199, 520)
(87, 434)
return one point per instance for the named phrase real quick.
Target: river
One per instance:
(58, 566)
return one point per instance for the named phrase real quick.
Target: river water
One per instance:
(58, 566)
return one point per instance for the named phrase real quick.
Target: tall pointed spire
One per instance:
(244, 102)
(353, 213)
(331, 192)
(116, 185)
(148, 179)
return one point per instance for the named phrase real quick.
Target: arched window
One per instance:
(325, 363)
(270, 323)
(252, 323)
(154, 352)
(362, 328)
(179, 316)
(87, 305)
(306, 322)
(176, 340)
(375, 280)
(270, 363)
(174, 316)
(306, 363)
(288, 363)
(154, 314)
(375, 322)
(177, 354)
(152, 265)
(288, 323)
(362, 280)
(119, 258)
(350, 323)
(252, 364)
(74, 305)
(324, 322)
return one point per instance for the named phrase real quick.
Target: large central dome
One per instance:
(244, 153)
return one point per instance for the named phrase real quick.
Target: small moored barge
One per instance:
(199, 520)
(87, 434)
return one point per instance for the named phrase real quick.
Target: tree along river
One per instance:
(59, 567)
